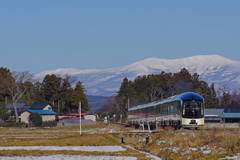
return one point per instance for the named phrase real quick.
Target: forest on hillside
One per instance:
(157, 87)
(65, 93)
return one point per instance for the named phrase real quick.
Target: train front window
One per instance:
(192, 109)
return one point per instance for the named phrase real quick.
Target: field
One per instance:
(167, 144)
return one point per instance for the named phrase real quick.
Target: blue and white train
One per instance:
(184, 110)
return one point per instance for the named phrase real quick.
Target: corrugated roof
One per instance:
(230, 115)
(230, 109)
(213, 112)
(42, 112)
(39, 106)
(19, 105)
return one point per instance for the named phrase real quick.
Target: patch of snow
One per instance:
(73, 148)
(70, 157)
(148, 155)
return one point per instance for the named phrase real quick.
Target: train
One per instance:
(185, 110)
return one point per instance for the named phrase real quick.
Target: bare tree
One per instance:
(221, 91)
(15, 85)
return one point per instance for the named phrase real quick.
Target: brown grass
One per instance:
(167, 143)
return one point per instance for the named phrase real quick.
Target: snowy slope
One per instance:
(211, 68)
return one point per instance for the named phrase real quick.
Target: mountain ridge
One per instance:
(211, 68)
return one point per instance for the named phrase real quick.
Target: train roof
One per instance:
(187, 96)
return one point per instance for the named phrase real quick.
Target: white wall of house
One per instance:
(25, 116)
(48, 117)
(92, 117)
(48, 107)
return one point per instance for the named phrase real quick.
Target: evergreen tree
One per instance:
(38, 93)
(66, 92)
(4, 113)
(214, 101)
(140, 88)
(126, 92)
(51, 86)
(182, 82)
(78, 95)
(4, 74)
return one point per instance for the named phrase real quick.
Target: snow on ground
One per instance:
(148, 154)
(89, 149)
(70, 157)
(73, 148)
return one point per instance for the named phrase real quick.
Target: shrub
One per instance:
(49, 124)
(36, 118)
(4, 113)
(12, 124)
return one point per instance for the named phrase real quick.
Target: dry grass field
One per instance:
(92, 135)
(167, 144)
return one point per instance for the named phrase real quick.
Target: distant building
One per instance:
(231, 117)
(230, 109)
(223, 114)
(41, 106)
(47, 115)
(91, 117)
(21, 107)
(213, 115)
(73, 115)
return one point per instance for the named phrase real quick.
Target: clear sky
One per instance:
(99, 34)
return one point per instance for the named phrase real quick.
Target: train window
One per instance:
(192, 109)
(171, 109)
(175, 107)
(165, 109)
(151, 110)
(158, 109)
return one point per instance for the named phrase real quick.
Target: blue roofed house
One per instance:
(47, 115)
(231, 113)
(231, 117)
(44, 109)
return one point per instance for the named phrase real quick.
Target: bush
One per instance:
(12, 124)
(4, 113)
(49, 124)
(36, 119)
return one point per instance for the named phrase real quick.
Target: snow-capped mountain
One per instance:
(211, 68)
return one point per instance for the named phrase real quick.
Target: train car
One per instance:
(184, 110)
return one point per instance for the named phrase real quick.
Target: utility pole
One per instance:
(80, 118)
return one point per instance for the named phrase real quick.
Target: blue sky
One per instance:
(93, 34)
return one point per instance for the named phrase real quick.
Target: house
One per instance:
(73, 115)
(91, 117)
(230, 109)
(47, 115)
(229, 113)
(213, 115)
(21, 107)
(231, 117)
(41, 106)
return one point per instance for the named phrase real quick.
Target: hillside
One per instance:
(211, 68)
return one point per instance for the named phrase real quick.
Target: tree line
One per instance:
(156, 87)
(63, 93)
